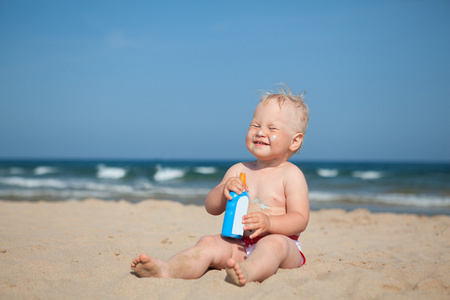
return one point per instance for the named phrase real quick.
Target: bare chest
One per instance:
(267, 196)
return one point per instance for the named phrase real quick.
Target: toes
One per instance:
(242, 279)
(235, 273)
(135, 261)
(140, 259)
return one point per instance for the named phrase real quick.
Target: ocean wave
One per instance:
(117, 188)
(367, 175)
(42, 170)
(33, 183)
(110, 172)
(38, 183)
(324, 196)
(166, 174)
(80, 190)
(327, 172)
(143, 184)
(52, 194)
(425, 201)
(182, 192)
(205, 170)
(414, 200)
(111, 188)
(142, 188)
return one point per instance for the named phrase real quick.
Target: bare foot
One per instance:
(145, 266)
(235, 273)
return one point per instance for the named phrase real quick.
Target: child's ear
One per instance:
(296, 142)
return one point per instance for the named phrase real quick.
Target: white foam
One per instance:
(54, 194)
(324, 196)
(42, 170)
(108, 187)
(165, 174)
(205, 170)
(327, 172)
(414, 200)
(182, 192)
(33, 183)
(110, 172)
(385, 199)
(143, 184)
(367, 175)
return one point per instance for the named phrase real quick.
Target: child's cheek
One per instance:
(273, 138)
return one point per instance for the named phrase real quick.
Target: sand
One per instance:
(83, 250)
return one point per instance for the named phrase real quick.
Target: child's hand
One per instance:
(234, 184)
(258, 222)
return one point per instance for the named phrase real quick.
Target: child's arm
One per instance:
(216, 200)
(297, 210)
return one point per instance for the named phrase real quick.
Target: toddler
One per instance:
(278, 210)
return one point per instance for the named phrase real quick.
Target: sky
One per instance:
(181, 79)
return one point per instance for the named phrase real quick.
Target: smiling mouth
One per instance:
(260, 143)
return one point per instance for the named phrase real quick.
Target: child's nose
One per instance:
(260, 133)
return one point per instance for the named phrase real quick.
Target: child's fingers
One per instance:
(234, 185)
(230, 188)
(255, 221)
(254, 217)
(238, 185)
(252, 221)
(255, 234)
(227, 194)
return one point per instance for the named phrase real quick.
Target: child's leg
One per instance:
(272, 252)
(210, 251)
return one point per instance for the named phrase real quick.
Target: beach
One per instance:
(83, 249)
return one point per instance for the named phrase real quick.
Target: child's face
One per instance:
(271, 134)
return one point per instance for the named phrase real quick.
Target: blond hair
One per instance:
(284, 94)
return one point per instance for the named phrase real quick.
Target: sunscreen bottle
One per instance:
(236, 208)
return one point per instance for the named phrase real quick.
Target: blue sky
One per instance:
(180, 79)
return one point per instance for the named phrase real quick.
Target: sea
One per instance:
(418, 188)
